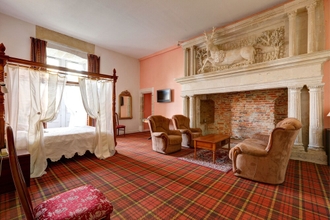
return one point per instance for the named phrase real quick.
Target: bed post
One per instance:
(114, 106)
(3, 61)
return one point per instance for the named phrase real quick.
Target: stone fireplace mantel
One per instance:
(305, 69)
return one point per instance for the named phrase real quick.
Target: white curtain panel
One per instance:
(97, 100)
(11, 98)
(17, 104)
(89, 95)
(39, 98)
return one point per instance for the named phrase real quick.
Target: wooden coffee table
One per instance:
(212, 142)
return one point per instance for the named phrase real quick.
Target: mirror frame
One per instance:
(121, 96)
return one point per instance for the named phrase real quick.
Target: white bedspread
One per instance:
(65, 141)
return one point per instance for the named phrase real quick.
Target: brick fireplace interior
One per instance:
(243, 114)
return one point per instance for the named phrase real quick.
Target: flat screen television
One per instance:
(164, 95)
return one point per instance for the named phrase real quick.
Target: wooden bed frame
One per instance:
(3, 61)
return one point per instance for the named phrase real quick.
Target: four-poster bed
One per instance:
(95, 90)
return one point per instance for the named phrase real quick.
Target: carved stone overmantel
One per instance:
(289, 47)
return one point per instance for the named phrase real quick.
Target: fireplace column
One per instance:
(192, 111)
(311, 27)
(294, 109)
(185, 106)
(292, 32)
(186, 62)
(192, 60)
(315, 117)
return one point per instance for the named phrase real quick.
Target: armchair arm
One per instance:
(196, 130)
(174, 132)
(159, 134)
(233, 155)
(245, 149)
(252, 150)
(184, 131)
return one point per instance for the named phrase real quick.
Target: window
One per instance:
(72, 112)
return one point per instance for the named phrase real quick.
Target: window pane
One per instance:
(75, 66)
(53, 61)
(72, 111)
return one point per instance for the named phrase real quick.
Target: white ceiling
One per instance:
(136, 28)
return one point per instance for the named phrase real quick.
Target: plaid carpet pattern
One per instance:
(143, 184)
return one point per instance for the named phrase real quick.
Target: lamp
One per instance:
(328, 115)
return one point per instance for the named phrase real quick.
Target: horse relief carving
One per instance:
(216, 57)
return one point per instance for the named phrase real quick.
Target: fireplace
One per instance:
(283, 79)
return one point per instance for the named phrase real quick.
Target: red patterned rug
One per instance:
(204, 158)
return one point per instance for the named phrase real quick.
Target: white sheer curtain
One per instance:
(33, 97)
(97, 100)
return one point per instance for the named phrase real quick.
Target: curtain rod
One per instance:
(6, 58)
(62, 69)
(59, 71)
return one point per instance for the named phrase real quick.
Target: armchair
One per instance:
(164, 140)
(181, 123)
(264, 158)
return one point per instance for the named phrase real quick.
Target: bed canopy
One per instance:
(39, 88)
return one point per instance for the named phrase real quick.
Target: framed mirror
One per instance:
(125, 105)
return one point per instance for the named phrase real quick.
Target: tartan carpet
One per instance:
(143, 184)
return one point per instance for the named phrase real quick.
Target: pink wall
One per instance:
(326, 78)
(159, 71)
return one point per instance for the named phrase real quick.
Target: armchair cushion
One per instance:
(265, 160)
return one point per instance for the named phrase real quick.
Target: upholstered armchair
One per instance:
(182, 123)
(264, 158)
(164, 140)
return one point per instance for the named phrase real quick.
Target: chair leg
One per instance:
(118, 131)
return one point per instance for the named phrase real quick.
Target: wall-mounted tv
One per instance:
(164, 95)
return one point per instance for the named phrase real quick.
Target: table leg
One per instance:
(195, 144)
(214, 146)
